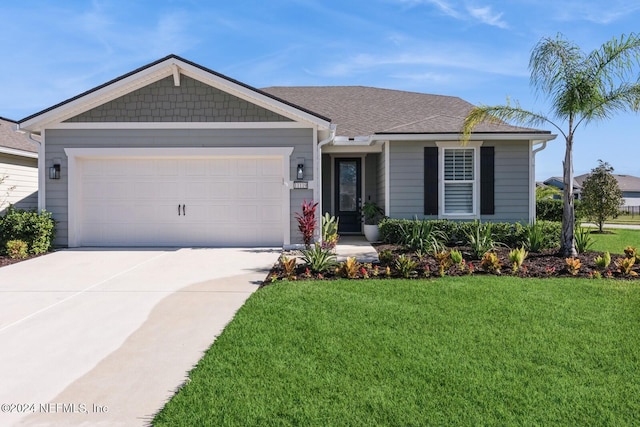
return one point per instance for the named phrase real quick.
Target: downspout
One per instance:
(532, 177)
(41, 174)
(318, 173)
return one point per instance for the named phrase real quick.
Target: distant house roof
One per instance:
(625, 182)
(364, 111)
(14, 143)
(558, 181)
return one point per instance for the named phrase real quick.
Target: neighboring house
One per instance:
(18, 169)
(629, 185)
(176, 154)
(558, 182)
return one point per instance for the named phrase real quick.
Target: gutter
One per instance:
(318, 172)
(41, 168)
(532, 176)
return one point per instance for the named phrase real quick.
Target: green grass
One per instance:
(616, 241)
(453, 351)
(625, 219)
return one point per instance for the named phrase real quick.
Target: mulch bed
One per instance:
(545, 264)
(5, 260)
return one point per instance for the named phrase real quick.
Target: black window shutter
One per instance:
(487, 180)
(431, 180)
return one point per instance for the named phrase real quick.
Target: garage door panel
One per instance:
(227, 201)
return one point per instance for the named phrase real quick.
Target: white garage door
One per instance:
(231, 201)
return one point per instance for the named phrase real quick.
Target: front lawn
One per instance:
(480, 350)
(615, 240)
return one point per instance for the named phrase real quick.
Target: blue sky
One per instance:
(475, 49)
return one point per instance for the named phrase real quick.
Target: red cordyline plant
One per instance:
(307, 221)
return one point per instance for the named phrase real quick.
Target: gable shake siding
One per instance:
(511, 180)
(192, 101)
(57, 140)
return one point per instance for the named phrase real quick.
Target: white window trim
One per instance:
(448, 145)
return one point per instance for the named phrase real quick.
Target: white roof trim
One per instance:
(181, 125)
(151, 75)
(16, 152)
(537, 137)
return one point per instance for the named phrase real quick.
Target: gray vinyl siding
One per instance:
(380, 181)
(511, 181)
(192, 101)
(57, 140)
(406, 180)
(371, 178)
(327, 203)
(18, 182)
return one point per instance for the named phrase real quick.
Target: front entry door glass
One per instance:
(348, 195)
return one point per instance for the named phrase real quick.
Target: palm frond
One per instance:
(499, 115)
(614, 60)
(553, 62)
(625, 97)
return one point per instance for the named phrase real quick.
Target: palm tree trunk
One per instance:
(567, 241)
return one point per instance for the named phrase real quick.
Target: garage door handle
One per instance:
(184, 210)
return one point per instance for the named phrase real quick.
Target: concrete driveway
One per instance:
(105, 336)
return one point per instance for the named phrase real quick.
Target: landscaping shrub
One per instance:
(422, 236)
(481, 238)
(551, 231)
(17, 249)
(318, 258)
(456, 233)
(35, 229)
(551, 209)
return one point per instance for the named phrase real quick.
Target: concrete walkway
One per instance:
(356, 246)
(105, 337)
(622, 226)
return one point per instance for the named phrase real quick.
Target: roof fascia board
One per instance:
(98, 97)
(457, 137)
(16, 152)
(180, 125)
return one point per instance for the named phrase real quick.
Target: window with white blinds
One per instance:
(458, 180)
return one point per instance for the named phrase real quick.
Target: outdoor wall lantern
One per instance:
(300, 171)
(54, 171)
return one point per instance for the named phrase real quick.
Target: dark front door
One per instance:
(348, 195)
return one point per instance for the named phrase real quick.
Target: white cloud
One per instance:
(595, 11)
(481, 14)
(441, 60)
(487, 16)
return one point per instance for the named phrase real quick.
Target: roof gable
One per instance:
(191, 101)
(173, 67)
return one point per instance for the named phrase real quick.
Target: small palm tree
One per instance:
(582, 88)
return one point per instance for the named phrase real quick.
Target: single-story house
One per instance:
(18, 168)
(558, 182)
(629, 185)
(174, 154)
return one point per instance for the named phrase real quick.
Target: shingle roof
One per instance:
(363, 111)
(625, 182)
(11, 139)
